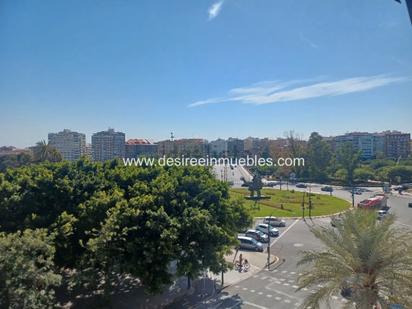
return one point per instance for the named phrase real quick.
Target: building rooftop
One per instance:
(138, 141)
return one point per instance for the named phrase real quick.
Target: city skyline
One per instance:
(211, 69)
(172, 136)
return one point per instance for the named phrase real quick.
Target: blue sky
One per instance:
(203, 68)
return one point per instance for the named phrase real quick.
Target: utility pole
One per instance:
(310, 201)
(303, 205)
(310, 206)
(269, 241)
(353, 196)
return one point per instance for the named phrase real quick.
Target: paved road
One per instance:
(275, 288)
(398, 203)
(231, 174)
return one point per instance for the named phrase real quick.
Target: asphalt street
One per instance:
(276, 288)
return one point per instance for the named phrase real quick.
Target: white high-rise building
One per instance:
(72, 145)
(108, 145)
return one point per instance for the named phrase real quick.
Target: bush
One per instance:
(27, 277)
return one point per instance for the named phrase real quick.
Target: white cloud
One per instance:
(308, 41)
(215, 9)
(272, 92)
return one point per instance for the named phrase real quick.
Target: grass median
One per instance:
(283, 203)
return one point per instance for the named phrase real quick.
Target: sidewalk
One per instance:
(257, 261)
(206, 288)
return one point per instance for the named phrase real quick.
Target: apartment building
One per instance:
(235, 147)
(140, 147)
(218, 148)
(390, 144)
(189, 147)
(396, 144)
(71, 145)
(108, 145)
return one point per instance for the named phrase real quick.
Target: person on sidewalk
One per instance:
(240, 262)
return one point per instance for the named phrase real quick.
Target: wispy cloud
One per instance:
(277, 91)
(306, 40)
(215, 9)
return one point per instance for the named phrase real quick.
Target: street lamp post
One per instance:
(269, 241)
(353, 196)
(303, 205)
(310, 201)
(310, 206)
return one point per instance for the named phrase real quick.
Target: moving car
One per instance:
(327, 189)
(257, 235)
(357, 191)
(273, 221)
(249, 243)
(410, 205)
(270, 183)
(263, 227)
(301, 185)
(382, 214)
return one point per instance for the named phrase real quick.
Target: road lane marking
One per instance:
(253, 305)
(281, 235)
(268, 287)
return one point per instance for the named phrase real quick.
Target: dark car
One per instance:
(327, 189)
(357, 191)
(301, 185)
(410, 205)
(382, 214)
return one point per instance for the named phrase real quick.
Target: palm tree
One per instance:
(45, 152)
(369, 258)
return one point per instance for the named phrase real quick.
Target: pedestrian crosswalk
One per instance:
(279, 286)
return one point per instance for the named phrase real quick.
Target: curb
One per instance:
(276, 259)
(312, 217)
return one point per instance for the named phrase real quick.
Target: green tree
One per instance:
(399, 174)
(27, 275)
(14, 160)
(45, 152)
(363, 173)
(372, 258)
(319, 155)
(348, 158)
(107, 218)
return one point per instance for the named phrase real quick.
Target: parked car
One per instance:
(249, 243)
(263, 227)
(273, 221)
(258, 235)
(327, 189)
(410, 205)
(301, 185)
